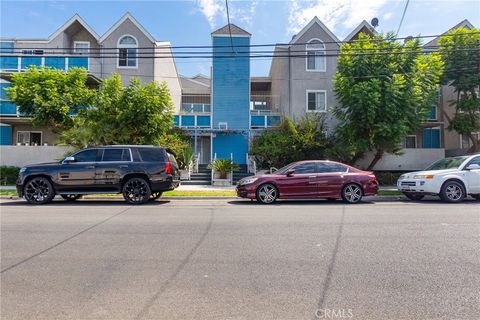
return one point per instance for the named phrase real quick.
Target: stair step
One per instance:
(196, 183)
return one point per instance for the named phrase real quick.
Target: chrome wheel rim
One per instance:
(71, 196)
(37, 190)
(155, 195)
(352, 193)
(136, 190)
(267, 194)
(454, 192)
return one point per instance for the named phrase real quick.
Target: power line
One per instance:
(403, 16)
(229, 28)
(264, 45)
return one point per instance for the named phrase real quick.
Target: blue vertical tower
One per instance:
(231, 93)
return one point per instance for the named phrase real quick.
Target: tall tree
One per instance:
(460, 50)
(385, 89)
(135, 114)
(51, 96)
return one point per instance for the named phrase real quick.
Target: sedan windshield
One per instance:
(448, 163)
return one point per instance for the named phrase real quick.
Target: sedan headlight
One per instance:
(423, 176)
(23, 170)
(248, 180)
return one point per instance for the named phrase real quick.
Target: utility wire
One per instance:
(265, 45)
(403, 16)
(229, 28)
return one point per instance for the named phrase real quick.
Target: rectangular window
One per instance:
(431, 138)
(432, 115)
(7, 46)
(315, 61)
(29, 138)
(411, 142)
(127, 57)
(316, 101)
(116, 155)
(81, 47)
(152, 154)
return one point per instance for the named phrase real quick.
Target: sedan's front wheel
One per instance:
(352, 193)
(267, 194)
(38, 190)
(136, 190)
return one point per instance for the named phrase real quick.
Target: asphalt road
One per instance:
(229, 259)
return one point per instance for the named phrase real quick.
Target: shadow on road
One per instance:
(296, 202)
(81, 203)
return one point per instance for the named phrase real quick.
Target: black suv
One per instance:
(140, 173)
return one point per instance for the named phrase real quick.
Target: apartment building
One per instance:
(126, 48)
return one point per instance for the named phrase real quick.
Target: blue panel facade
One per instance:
(31, 61)
(5, 135)
(231, 95)
(55, 62)
(258, 121)
(188, 121)
(176, 120)
(8, 108)
(8, 63)
(79, 62)
(273, 121)
(226, 144)
(231, 82)
(431, 138)
(203, 121)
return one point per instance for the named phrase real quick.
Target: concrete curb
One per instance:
(366, 199)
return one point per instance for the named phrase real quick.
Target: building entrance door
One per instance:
(203, 147)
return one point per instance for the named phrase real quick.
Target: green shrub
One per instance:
(8, 175)
(223, 167)
(388, 178)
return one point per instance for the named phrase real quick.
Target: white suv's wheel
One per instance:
(452, 191)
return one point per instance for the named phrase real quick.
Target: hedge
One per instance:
(8, 175)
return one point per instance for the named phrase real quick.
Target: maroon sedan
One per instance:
(310, 179)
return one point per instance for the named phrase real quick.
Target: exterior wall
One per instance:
(226, 145)
(165, 70)
(145, 66)
(303, 80)
(19, 156)
(231, 84)
(279, 74)
(411, 159)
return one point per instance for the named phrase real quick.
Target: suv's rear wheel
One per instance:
(71, 197)
(38, 190)
(136, 190)
(155, 195)
(452, 191)
(352, 193)
(267, 193)
(413, 196)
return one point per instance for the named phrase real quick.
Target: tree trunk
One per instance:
(376, 158)
(475, 144)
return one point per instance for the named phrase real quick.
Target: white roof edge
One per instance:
(309, 25)
(358, 28)
(163, 43)
(67, 24)
(135, 22)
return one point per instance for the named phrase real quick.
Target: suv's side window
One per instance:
(475, 160)
(152, 154)
(116, 155)
(89, 155)
(305, 168)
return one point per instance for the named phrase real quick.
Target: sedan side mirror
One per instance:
(290, 172)
(69, 160)
(473, 166)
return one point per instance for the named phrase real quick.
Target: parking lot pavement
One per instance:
(233, 259)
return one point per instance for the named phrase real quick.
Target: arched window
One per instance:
(315, 59)
(127, 52)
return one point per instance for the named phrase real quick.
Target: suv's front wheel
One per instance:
(136, 190)
(38, 190)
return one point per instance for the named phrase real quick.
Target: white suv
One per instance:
(451, 178)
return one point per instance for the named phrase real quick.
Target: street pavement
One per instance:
(235, 259)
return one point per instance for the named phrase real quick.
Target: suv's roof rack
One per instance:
(131, 145)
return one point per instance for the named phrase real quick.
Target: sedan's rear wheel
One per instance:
(136, 190)
(38, 190)
(413, 196)
(352, 193)
(452, 191)
(71, 197)
(267, 193)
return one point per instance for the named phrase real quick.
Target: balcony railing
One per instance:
(18, 63)
(193, 121)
